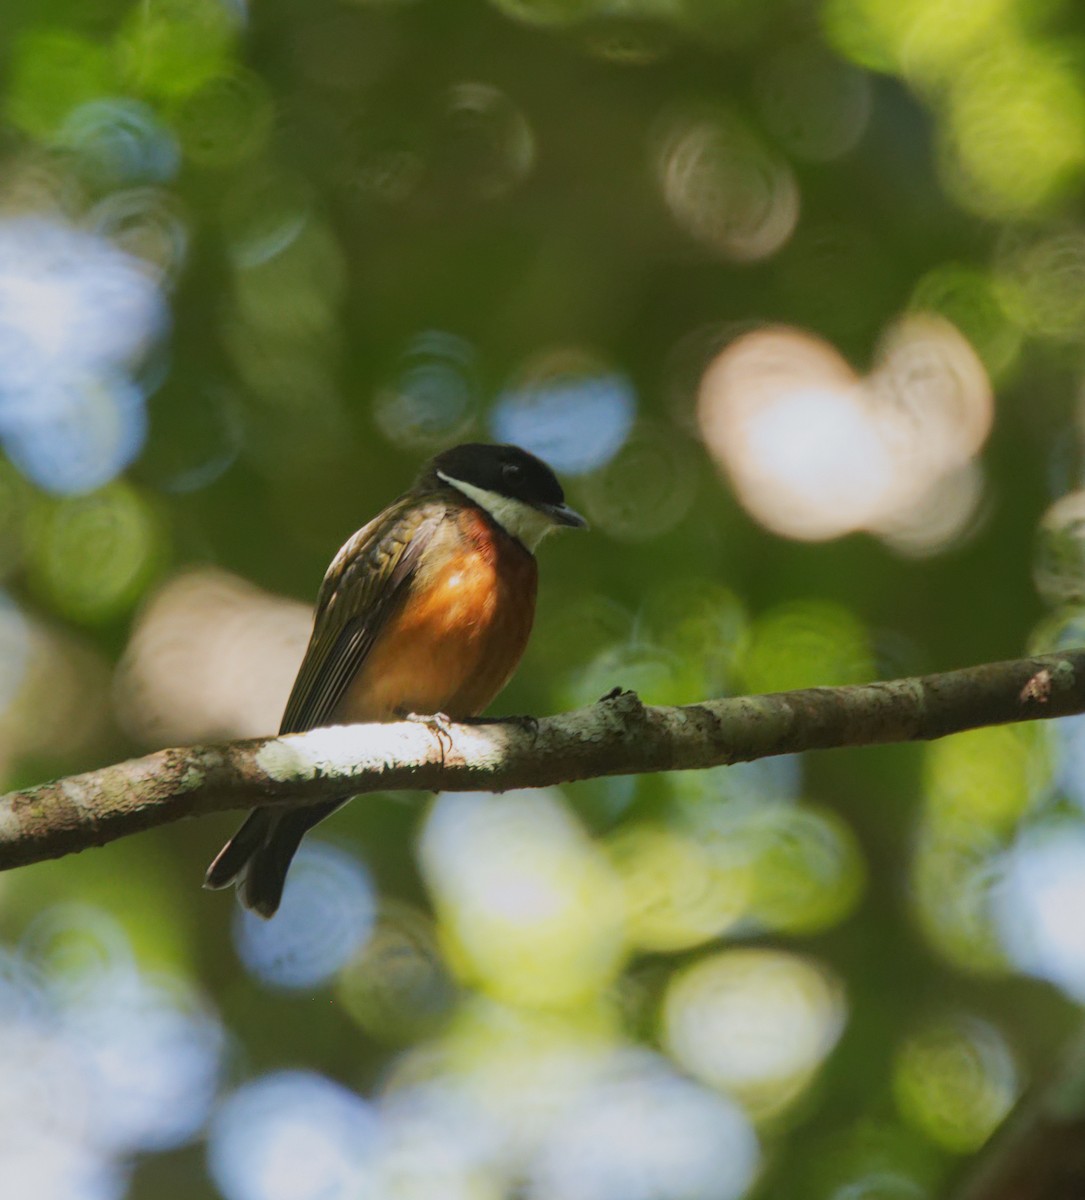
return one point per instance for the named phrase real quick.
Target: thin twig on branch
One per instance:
(617, 736)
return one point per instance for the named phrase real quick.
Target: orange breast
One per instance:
(460, 633)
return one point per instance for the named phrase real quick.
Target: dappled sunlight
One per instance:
(54, 690)
(325, 919)
(431, 397)
(802, 866)
(646, 489)
(792, 298)
(529, 907)
(805, 643)
(1059, 564)
(569, 407)
(103, 1059)
(816, 105)
(76, 316)
(678, 893)
(486, 143)
(211, 657)
(292, 1135)
(977, 787)
(642, 1131)
(91, 557)
(956, 1079)
(757, 1023)
(1038, 903)
(397, 986)
(815, 452)
(725, 186)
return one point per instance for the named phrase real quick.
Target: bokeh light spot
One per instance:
(171, 48)
(956, 1080)
(1041, 279)
(953, 873)
(975, 302)
(725, 187)
(293, 1135)
(756, 1023)
(643, 1133)
(815, 105)
(121, 142)
(1014, 138)
(75, 315)
(486, 145)
(325, 918)
(397, 987)
(51, 72)
(805, 643)
(643, 667)
(147, 223)
(984, 779)
(90, 558)
(1037, 902)
(434, 1142)
(676, 894)
(805, 865)
(1059, 565)
(211, 657)
(569, 409)
(227, 121)
(815, 452)
(528, 906)
(646, 488)
(432, 397)
(14, 650)
(102, 1060)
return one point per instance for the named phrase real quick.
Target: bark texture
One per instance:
(617, 736)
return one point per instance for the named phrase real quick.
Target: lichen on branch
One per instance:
(619, 735)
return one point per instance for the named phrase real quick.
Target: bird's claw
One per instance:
(440, 723)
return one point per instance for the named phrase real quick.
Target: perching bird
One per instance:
(425, 610)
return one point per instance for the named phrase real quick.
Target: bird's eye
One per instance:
(512, 472)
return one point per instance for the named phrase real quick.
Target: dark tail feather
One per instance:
(233, 858)
(258, 856)
(262, 887)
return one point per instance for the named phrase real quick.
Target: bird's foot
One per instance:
(440, 723)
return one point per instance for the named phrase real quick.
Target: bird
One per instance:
(426, 610)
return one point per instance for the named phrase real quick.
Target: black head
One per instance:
(492, 474)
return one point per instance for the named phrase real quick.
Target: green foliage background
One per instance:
(319, 186)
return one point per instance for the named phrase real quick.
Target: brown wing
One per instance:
(366, 583)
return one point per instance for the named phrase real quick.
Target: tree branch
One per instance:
(617, 736)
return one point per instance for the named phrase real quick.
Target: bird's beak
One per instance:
(562, 514)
